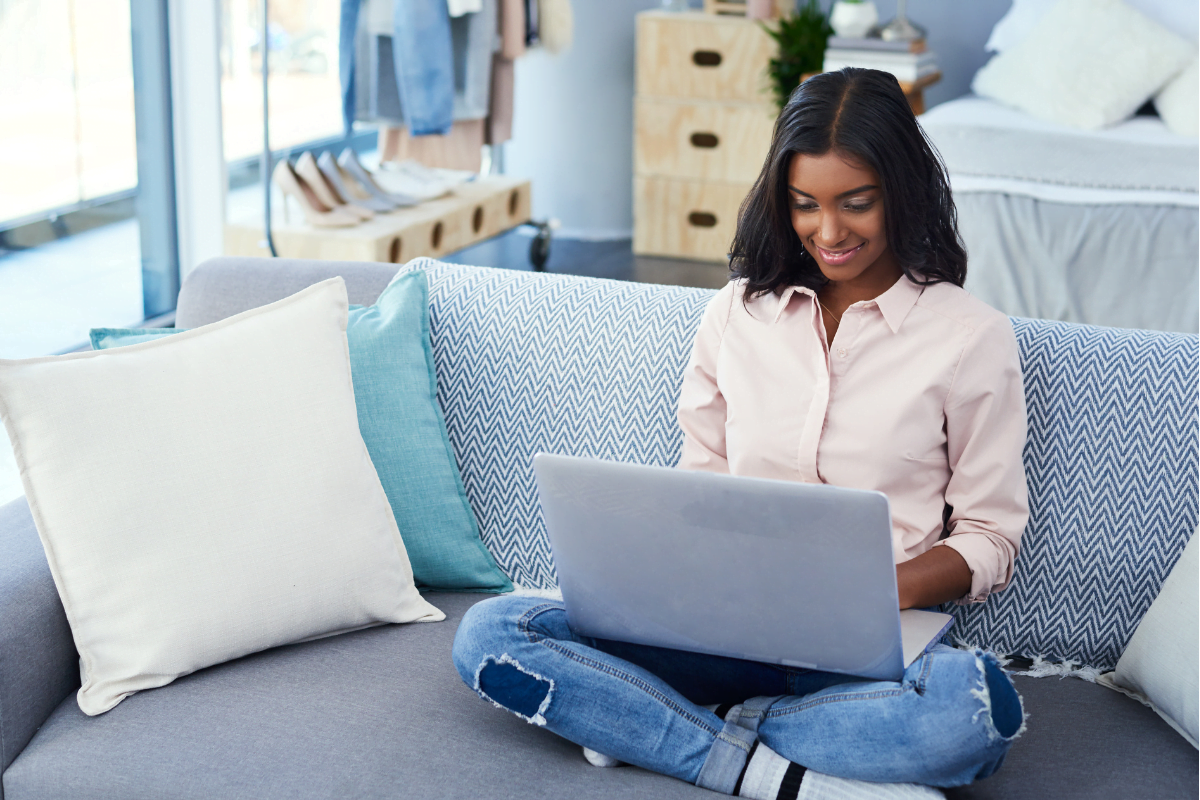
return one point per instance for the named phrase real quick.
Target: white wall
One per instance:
(573, 114)
(573, 123)
(957, 30)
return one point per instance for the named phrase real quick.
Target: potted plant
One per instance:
(853, 18)
(801, 38)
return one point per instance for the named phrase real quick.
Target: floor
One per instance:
(612, 259)
(52, 294)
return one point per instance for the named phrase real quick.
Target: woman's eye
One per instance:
(859, 207)
(804, 206)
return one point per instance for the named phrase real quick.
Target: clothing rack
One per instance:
(264, 162)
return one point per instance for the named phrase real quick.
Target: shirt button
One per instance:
(841, 352)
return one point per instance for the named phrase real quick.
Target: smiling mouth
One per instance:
(839, 257)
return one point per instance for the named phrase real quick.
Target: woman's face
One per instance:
(837, 211)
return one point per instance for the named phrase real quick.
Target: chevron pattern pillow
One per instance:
(589, 367)
(1111, 461)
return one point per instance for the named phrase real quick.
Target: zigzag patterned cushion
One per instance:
(573, 365)
(1112, 467)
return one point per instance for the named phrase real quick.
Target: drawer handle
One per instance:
(702, 219)
(708, 140)
(706, 58)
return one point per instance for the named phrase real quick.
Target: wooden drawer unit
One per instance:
(702, 129)
(685, 219)
(690, 55)
(706, 141)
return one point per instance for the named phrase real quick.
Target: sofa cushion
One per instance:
(586, 367)
(395, 392)
(185, 490)
(378, 713)
(382, 713)
(1159, 668)
(583, 366)
(554, 363)
(1111, 461)
(1086, 741)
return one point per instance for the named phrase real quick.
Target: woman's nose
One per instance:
(830, 230)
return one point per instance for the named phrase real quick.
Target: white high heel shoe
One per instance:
(350, 164)
(306, 167)
(348, 187)
(315, 212)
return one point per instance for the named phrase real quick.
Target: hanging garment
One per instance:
(352, 83)
(473, 37)
(531, 23)
(512, 29)
(408, 62)
(500, 113)
(556, 24)
(423, 58)
(460, 7)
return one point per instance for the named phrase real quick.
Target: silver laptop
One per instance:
(765, 570)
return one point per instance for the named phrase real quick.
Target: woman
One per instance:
(845, 352)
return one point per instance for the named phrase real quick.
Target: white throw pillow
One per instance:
(1179, 102)
(1179, 16)
(1087, 64)
(1160, 665)
(207, 495)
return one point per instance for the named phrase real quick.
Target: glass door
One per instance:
(70, 239)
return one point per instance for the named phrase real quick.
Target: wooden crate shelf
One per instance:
(704, 116)
(737, 8)
(685, 218)
(475, 211)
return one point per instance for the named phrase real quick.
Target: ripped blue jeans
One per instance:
(949, 722)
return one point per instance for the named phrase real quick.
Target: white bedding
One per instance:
(989, 147)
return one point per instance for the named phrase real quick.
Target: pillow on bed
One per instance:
(1087, 64)
(1180, 16)
(1179, 102)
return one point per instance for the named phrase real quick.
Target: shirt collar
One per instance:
(897, 301)
(894, 304)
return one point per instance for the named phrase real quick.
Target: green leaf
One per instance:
(802, 38)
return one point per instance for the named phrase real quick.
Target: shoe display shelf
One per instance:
(472, 212)
(703, 118)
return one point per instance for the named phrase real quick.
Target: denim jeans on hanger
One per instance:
(347, 50)
(423, 57)
(420, 68)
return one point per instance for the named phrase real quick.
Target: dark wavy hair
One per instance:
(862, 114)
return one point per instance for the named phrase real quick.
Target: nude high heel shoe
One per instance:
(348, 188)
(308, 171)
(316, 213)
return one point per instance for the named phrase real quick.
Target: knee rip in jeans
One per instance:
(506, 684)
(1001, 706)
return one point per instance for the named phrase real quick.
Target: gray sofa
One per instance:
(382, 712)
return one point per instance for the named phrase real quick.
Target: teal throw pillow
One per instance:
(395, 389)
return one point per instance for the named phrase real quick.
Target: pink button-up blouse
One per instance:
(919, 396)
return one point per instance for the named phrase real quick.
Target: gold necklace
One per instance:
(836, 318)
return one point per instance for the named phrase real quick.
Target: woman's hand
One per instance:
(936, 576)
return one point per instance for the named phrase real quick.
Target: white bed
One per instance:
(1100, 227)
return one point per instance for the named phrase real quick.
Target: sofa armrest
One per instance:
(38, 662)
(222, 287)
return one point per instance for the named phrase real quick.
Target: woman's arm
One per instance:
(985, 437)
(701, 411)
(937, 576)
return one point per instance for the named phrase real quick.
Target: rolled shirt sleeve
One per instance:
(985, 437)
(702, 408)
